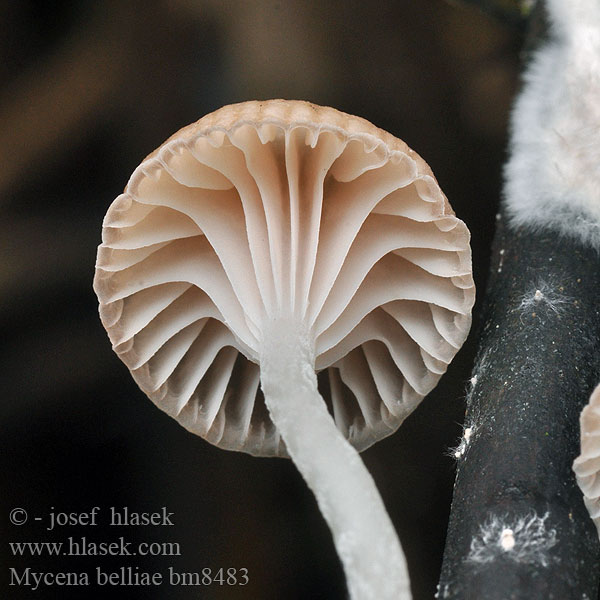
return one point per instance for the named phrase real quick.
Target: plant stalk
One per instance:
(518, 526)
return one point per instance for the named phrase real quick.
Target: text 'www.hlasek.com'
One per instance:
(65, 560)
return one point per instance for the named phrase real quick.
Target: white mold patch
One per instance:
(525, 540)
(481, 366)
(544, 296)
(501, 262)
(507, 539)
(473, 419)
(459, 450)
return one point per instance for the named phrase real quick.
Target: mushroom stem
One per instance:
(364, 536)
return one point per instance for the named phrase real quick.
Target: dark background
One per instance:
(88, 89)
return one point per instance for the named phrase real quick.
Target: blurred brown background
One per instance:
(89, 88)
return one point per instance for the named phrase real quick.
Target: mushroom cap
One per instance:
(587, 464)
(283, 209)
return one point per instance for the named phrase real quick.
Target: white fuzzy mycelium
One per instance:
(552, 179)
(525, 539)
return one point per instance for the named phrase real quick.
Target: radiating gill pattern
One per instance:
(342, 228)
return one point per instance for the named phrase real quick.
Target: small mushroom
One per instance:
(289, 280)
(587, 464)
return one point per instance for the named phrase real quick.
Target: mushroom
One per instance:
(587, 464)
(298, 248)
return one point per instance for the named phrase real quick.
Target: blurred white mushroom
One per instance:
(587, 464)
(266, 243)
